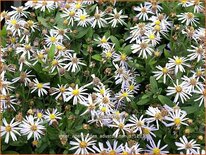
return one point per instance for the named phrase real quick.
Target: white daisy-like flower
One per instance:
(52, 116)
(25, 49)
(45, 5)
(163, 71)
(202, 95)
(189, 146)
(114, 148)
(116, 17)
(32, 127)
(74, 64)
(155, 114)
(156, 149)
(78, 95)
(62, 90)
(10, 129)
(98, 19)
(83, 145)
(91, 106)
(18, 12)
(52, 39)
(188, 18)
(192, 83)
(83, 18)
(144, 48)
(103, 42)
(23, 78)
(120, 125)
(144, 11)
(178, 63)
(196, 53)
(180, 91)
(40, 87)
(70, 15)
(136, 124)
(185, 3)
(101, 149)
(177, 118)
(197, 6)
(147, 132)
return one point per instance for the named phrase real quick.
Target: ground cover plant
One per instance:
(103, 77)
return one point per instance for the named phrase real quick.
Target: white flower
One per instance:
(196, 52)
(52, 116)
(191, 83)
(62, 91)
(116, 17)
(147, 132)
(15, 25)
(155, 114)
(77, 94)
(176, 117)
(143, 48)
(25, 49)
(23, 78)
(83, 146)
(190, 146)
(202, 94)
(18, 12)
(83, 18)
(52, 39)
(123, 58)
(136, 124)
(163, 71)
(74, 63)
(40, 87)
(180, 91)
(44, 4)
(101, 149)
(10, 129)
(185, 3)
(188, 18)
(113, 149)
(143, 12)
(178, 63)
(120, 125)
(197, 6)
(156, 149)
(32, 127)
(70, 15)
(103, 42)
(91, 106)
(98, 18)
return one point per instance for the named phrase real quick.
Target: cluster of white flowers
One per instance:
(103, 104)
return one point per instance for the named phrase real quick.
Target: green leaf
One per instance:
(191, 109)
(97, 57)
(81, 32)
(51, 52)
(127, 49)
(42, 21)
(143, 101)
(165, 100)
(10, 152)
(153, 84)
(115, 41)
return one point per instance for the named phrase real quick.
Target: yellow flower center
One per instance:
(39, 85)
(158, 116)
(131, 87)
(125, 153)
(71, 13)
(178, 89)
(101, 91)
(139, 123)
(124, 94)
(103, 109)
(109, 54)
(53, 39)
(27, 47)
(157, 22)
(52, 116)
(78, 6)
(34, 128)
(178, 61)
(103, 40)
(199, 73)
(82, 17)
(177, 121)
(75, 92)
(112, 152)
(54, 62)
(13, 21)
(123, 57)
(193, 82)
(62, 89)
(83, 144)
(8, 128)
(121, 125)
(190, 15)
(157, 27)
(151, 36)
(59, 47)
(105, 100)
(146, 131)
(156, 151)
(164, 70)
(39, 115)
(40, 56)
(30, 23)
